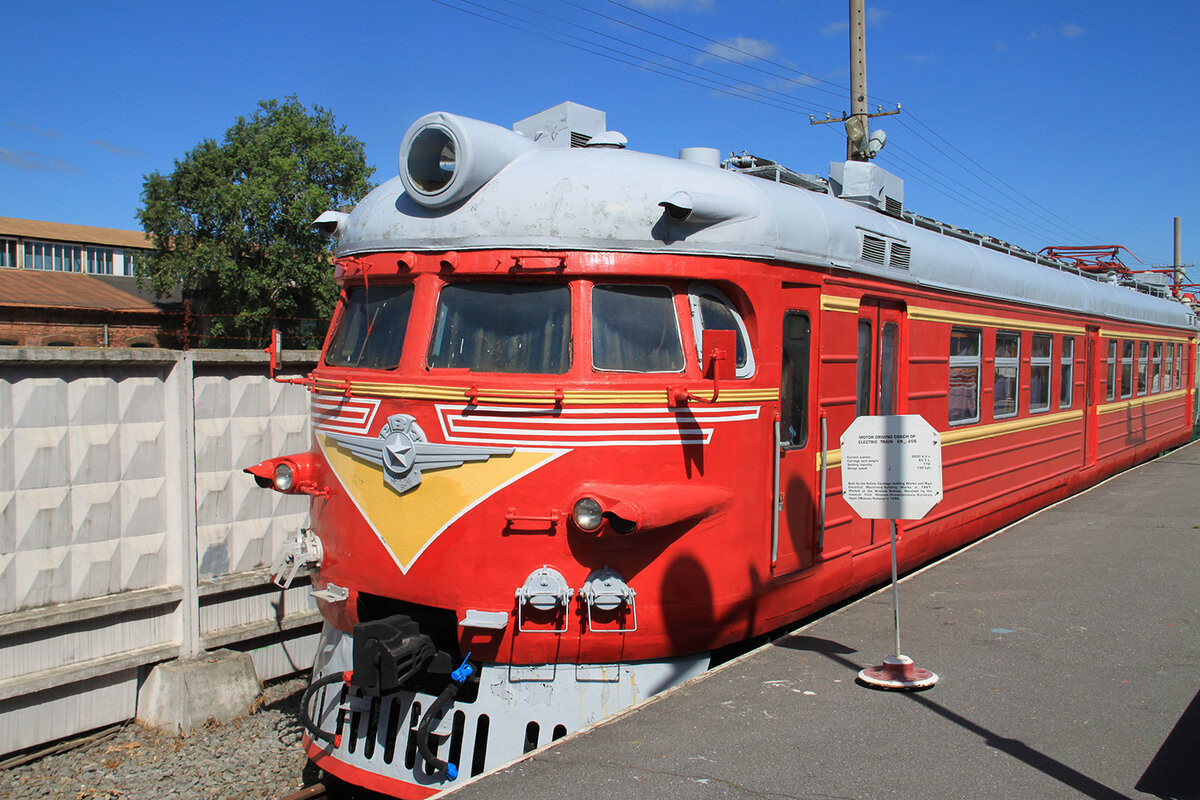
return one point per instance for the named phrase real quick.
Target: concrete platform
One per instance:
(1068, 647)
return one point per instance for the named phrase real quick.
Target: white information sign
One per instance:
(891, 467)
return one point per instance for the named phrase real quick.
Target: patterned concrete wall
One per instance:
(128, 532)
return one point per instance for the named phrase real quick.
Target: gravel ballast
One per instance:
(256, 757)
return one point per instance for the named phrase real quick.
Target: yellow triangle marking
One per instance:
(408, 523)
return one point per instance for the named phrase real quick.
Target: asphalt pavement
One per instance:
(1068, 652)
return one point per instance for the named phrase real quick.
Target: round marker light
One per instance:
(283, 477)
(432, 159)
(588, 514)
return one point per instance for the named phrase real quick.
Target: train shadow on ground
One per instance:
(1086, 786)
(1172, 773)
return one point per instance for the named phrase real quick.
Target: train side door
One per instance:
(793, 544)
(1092, 392)
(877, 389)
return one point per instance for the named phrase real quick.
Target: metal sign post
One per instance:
(892, 469)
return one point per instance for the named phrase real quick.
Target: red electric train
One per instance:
(576, 422)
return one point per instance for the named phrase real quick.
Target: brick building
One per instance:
(72, 285)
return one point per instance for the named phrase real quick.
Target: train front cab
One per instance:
(617, 395)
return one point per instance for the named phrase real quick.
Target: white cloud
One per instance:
(117, 150)
(675, 5)
(32, 161)
(1068, 30)
(48, 133)
(919, 59)
(739, 48)
(874, 18)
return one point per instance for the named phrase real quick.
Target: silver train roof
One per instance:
(530, 195)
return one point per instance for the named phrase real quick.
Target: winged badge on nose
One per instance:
(403, 451)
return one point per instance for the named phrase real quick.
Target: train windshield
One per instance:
(370, 332)
(635, 329)
(503, 327)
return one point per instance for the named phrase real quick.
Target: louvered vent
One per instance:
(579, 139)
(893, 206)
(900, 255)
(874, 249)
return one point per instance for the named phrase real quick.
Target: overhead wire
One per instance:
(616, 55)
(1019, 217)
(778, 95)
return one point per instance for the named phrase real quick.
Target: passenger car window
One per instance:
(1008, 355)
(370, 332)
(503, 327)
(964, 375)
(635, 329)
(1066, 372)
(1039, 372)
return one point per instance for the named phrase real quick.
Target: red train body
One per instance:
(582, 460)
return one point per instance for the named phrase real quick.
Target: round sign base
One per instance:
(898, 672)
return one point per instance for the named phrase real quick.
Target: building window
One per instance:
(1127, 369)
(1041, 355)
(1142, 360)
(1008, 366)
(1111, 389)
(793, 405)
(52, 256)
(98, 260)
(131, 258)
(1066, 372)
(8, 253)
(964, 375)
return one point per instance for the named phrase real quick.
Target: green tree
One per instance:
(231, 224)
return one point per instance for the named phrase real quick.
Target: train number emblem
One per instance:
(403, 451)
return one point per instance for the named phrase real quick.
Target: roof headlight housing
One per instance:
(432, 159)
(444, 158)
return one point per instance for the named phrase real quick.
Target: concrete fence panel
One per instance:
(129, 534)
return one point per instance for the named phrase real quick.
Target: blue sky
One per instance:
(1037, 122)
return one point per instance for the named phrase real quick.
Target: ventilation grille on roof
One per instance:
(579, 139)
(874, 249)
(879, 249)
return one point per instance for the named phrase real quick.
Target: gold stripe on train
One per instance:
(982, 320)
(526, 396)
(1138, 402)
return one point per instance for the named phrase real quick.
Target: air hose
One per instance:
(306, 719)
(443, 701)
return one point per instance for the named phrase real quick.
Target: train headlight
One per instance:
(284, 476)
(445, 158)
(432, 159)
(588, 514)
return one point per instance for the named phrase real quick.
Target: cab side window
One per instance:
(712, 311)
